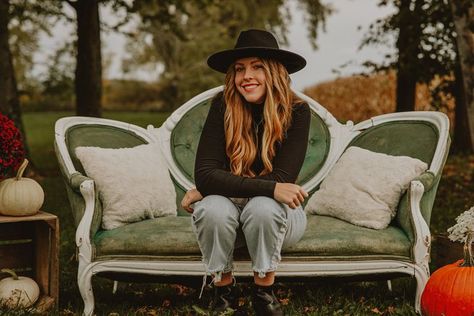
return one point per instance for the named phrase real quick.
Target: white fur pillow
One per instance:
(364, 187)
(133, 183)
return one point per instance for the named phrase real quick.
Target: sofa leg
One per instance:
(421, 276)
(84, 281)
(389, 285)
(114, 289)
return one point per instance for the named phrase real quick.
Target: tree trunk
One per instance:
(9, 99)
(463, 16)
(88, 82)
(407, 45)
(461, 138)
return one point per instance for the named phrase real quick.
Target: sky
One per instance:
(338, 45)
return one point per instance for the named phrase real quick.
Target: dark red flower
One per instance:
(12, 151)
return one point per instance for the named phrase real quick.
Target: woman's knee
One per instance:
(262, 210)
(215, 209)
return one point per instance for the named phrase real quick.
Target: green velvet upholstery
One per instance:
(319, 141)
(331, 237)
(185, 138)
(186, 134)
(324, 238)
(96, 136)
(403, 217)
(99, 136)
(184, 142)
(417, 139)
(78, 203)
(75, 198)
(180, 192)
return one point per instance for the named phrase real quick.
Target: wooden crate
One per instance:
(30, 246)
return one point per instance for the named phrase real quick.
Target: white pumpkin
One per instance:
(20, 196)
(18, 292)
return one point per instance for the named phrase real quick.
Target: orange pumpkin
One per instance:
(450, 290)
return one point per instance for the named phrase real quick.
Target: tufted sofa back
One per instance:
(414, 138)
(102, 136)
(187, 132)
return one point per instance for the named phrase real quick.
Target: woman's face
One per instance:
(250, 79)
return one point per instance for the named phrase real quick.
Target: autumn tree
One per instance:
(463, 16)
(426, 49)
(20, 24)
(88, 74)
(9, 101)
(408, 47)
(200, 29)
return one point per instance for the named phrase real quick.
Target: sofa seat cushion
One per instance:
(325, 238)
(150, 238)
(330, 237)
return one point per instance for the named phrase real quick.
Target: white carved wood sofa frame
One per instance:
(305, 259)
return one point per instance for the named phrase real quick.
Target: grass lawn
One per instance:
(335, 296)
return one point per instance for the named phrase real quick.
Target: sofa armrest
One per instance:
(75, 181)
(427, 178)
(414, 215)
(78, 186)
(404, 217)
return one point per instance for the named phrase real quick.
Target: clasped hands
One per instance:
(287, 193)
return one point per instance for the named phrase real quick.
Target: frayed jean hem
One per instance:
(276, 257)
(218, 211)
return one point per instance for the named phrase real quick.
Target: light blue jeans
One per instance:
(265, 225)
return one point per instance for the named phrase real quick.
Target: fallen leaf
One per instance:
(152, 312)
(66, 312)
(180, 289)
(376, 311)
(308, 309)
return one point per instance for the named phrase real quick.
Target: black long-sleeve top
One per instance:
(212, 167)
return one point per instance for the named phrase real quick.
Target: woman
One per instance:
(251, 150)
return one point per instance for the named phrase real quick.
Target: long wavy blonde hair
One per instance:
(241, 142)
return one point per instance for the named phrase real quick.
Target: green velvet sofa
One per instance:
(330, 247)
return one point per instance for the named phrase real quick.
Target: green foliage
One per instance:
(193, 30)
(315, 15)
(27, 20)
(59, 79)
(431, 31)
(54, 90)
(131, 95)
(176, 35)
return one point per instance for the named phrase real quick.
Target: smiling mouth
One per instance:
(250, 87)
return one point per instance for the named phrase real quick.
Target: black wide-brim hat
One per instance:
(256, 43)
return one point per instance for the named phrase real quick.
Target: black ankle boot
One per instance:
(224, 297)
(265, 302)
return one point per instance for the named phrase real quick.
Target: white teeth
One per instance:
(250, 87)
